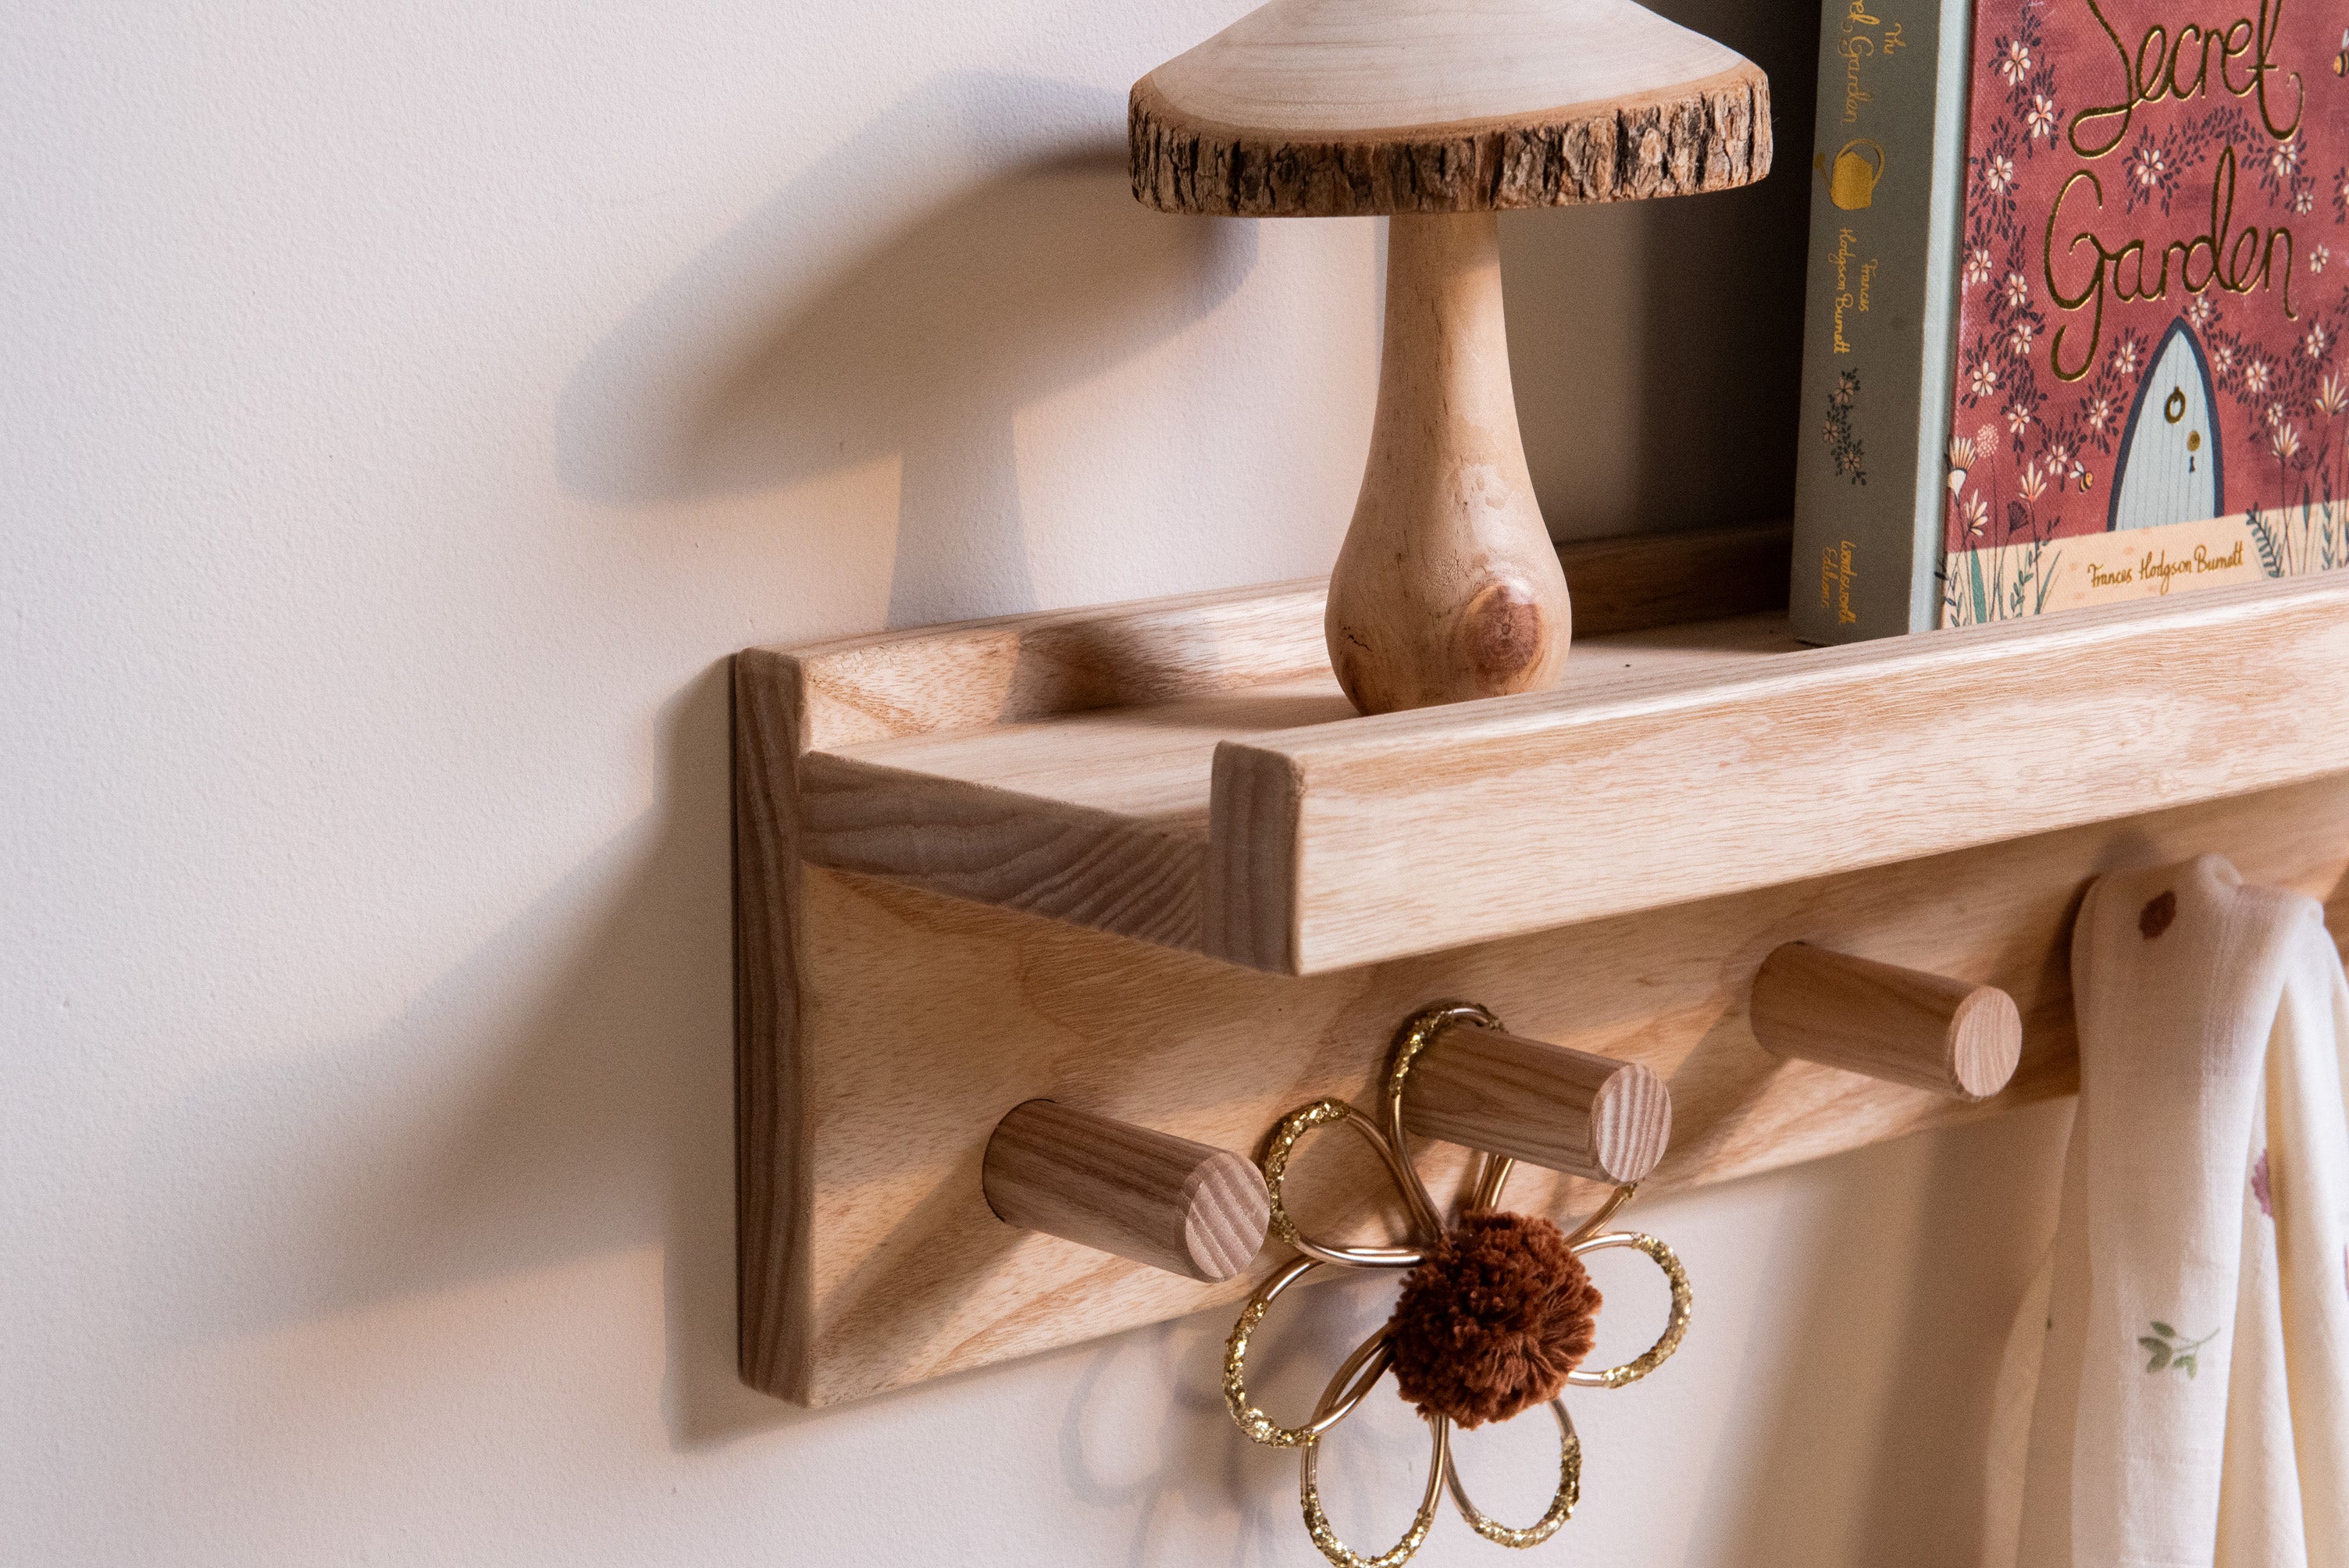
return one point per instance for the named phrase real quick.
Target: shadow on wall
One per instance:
(1145, 1436)
(1658, 345)
(1881, 1374)
(480, 1134)
(924, 345)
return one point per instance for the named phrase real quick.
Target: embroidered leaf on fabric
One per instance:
(2167, 1351)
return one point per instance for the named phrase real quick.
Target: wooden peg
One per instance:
(1900, 1025)
(1184, 1207)
(1546, 1104)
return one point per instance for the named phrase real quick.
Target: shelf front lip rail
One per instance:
(1349, 843)
(1346, 843)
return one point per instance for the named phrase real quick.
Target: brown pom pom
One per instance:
(1493, 1321)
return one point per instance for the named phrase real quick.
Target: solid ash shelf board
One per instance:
(1029, 786)
(1232, 805)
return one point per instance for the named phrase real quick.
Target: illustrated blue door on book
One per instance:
(2170, 469)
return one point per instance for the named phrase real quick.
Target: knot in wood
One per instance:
(1493, 1321)
(1503, 633)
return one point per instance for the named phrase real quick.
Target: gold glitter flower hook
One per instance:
(1493, 1317)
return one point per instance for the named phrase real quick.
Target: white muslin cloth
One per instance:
(2176, 1390)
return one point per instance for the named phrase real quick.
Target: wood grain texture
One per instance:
(1184, 1207)
(1060, 763)
(1016, 668)
(1447, 588)
(1649, 580)
(1445, 826)
(774, 1185)
(1400, 106)
(879, 1063)
(1364, 66)
(1551, 1105)
(884, 1028)
(1255, 820)
(1904, 1025)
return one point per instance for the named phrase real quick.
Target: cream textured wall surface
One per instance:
(404, 411)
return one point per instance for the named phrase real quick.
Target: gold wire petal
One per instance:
(1334, 1404)
(1421, 1032)
(1260, 1427)
(1371, 1358)
(1416, 1037)
(1281, 1148)
(1562, 1505)
(1658, 1353)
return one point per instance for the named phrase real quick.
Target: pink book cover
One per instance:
(2153, 286)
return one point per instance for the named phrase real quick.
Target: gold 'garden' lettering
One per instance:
(2239, 265)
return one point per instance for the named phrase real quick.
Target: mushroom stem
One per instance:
(1448, 587)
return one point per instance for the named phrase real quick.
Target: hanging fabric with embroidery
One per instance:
(2176, 1389)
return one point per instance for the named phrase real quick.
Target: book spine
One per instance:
(1887, 187)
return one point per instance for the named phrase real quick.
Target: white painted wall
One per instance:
(404, 410)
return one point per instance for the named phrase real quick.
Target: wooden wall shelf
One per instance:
(947, 839)
(1185, 772)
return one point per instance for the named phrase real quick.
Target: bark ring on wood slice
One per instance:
(1439, 116)
(1303, 108)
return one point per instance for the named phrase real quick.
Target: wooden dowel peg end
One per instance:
(1903, 1026)
(1188, 1208)
(1546, 1104)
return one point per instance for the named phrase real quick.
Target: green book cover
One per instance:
(1887, 177)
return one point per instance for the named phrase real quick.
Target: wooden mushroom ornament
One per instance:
(1443, 115)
